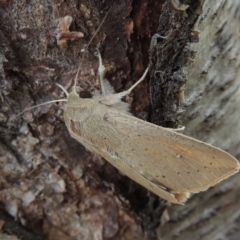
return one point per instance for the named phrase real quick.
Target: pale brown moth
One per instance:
(169, 164)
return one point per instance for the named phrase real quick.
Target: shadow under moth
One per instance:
(168, 163)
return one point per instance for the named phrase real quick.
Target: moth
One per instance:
(167, 163)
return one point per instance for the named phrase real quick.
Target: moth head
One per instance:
(74, 94)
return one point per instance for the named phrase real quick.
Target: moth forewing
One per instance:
(167, 163)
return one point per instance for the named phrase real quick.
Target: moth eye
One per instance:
(85, 94)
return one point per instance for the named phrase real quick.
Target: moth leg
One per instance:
(101, 72)
(114, 98)
(122, 94)
(181, 128)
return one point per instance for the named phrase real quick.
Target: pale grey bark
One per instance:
(213, 93)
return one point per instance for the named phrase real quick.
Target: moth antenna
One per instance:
(60, 86)
(41, 104)
(99, 27)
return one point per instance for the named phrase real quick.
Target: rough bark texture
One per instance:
(169, 54)
(48, 182)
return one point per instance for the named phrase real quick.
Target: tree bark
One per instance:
(50, 185)
(212, 113)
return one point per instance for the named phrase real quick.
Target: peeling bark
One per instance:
(212, 115)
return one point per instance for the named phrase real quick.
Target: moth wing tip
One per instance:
(238, 166)
(182, 197)
(178, 198)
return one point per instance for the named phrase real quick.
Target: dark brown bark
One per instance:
(49, 182)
